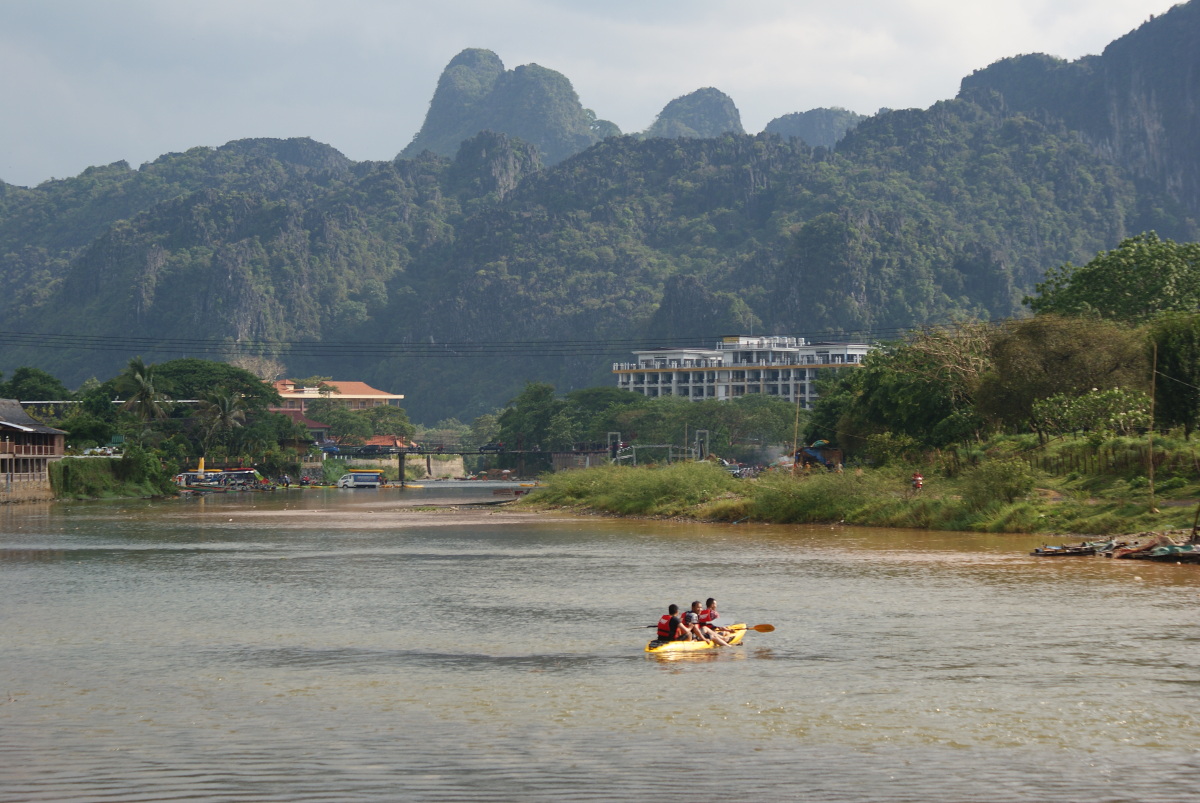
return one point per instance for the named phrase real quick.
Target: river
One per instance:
(339, 645)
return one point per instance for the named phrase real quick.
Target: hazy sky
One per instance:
(89, 83)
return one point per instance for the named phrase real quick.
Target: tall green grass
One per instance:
(781, 497)
(995, 499)
(644, 491)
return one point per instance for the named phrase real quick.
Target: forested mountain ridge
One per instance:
(916, 216)
(1136, 102)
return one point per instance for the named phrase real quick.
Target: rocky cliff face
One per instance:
(1138, 103)
(492, 163)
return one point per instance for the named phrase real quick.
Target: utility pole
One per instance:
(796, 438)
(1150, 453)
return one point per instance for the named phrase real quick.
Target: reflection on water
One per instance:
(331, 645)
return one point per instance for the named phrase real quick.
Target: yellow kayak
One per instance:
(739, 633)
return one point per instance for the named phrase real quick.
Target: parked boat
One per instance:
(1085, 548)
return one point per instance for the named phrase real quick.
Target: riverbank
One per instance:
(997, 498)
(135, 474)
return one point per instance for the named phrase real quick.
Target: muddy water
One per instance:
(325, 645)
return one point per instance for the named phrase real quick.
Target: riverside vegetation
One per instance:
(1004, 492)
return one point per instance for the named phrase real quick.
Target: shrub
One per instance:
(821, 497)
(644, 491)
(996, 481)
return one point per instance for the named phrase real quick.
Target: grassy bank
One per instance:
(136, 474)
(998, 495)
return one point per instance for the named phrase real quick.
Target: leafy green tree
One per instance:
(920, 391)
(1117, 411)
(96, 398)
(389, 420)
(1049, 354)
(658, 421)
(84, 429)
(34, 384)
(192, 378)
(346, 427)
(527, 421)
(1142, 276)
(447, 432)
(1177, 384)
(322, 409)
(757, 419)
(484, 429)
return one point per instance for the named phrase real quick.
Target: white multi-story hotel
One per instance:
(739, 365)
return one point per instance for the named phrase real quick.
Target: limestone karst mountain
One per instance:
(817, 127)
(475, 93)
(703, 114)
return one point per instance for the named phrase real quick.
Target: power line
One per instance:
(375, 348)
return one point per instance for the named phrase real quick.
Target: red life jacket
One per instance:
(707, 615)
(664, 627)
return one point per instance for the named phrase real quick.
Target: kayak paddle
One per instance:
(757, 628)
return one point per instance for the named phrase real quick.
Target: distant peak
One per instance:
(704, 114)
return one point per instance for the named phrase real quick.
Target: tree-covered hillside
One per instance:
(1136, 102)
(455, 280)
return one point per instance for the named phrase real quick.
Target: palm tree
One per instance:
(222, 413)
(143, 398)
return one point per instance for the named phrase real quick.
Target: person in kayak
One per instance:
(691, 620)
(708, 616)
(668, 625)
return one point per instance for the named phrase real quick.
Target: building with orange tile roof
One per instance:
(354, 395)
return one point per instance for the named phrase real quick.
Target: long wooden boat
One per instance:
(1086, 548)
(739, 633)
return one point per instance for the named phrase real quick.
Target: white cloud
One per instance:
(90, 83)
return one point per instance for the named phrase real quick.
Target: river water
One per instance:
(331, 645)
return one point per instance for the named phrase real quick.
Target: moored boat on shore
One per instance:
(1085, 548)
